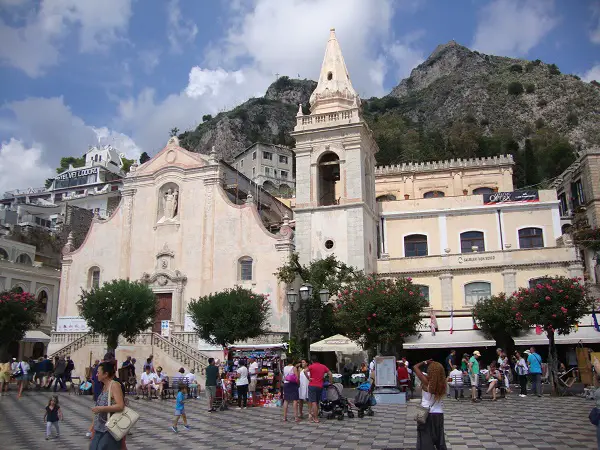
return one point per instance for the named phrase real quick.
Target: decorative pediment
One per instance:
(164, 277)
(164, 258)
(171, 156)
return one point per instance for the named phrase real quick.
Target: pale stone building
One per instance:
(269, 166)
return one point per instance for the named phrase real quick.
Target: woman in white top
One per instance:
(241, 383)
(430, 435)
(291, 391)
(23, 371)
(303, 390)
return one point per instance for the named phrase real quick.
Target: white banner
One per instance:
(71, 324)
(165, 328)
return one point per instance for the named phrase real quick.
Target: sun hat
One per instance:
(476, 352)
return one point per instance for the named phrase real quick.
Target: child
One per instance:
(179, 407)
(52, 416)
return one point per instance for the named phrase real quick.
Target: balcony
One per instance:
(439, 263)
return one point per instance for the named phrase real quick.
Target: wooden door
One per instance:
(163, 310)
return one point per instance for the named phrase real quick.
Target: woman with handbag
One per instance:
(110, 401)
(291, 385)
(430, 414)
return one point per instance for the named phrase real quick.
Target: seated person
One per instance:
(455, 380)
(192, 383)
(148, 383)
(494, 376)
(162, 380)
(403, 376)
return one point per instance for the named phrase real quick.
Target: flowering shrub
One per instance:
(231, 315)
(19, 312)
(495, 317)
(372, 310)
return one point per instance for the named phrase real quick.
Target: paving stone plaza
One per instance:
(513, 423)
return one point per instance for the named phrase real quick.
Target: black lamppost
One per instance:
(292, 298)
(306, 292)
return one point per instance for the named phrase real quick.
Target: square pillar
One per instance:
(447, 294)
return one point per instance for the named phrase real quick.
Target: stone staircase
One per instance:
(170, 352)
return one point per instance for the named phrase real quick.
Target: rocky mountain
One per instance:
(458, 103)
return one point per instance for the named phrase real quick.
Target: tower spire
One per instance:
(334, 91)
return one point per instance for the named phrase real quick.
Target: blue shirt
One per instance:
(535, 363)
(179, 402)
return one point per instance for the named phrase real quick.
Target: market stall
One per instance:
(269, 358)
(339, 351)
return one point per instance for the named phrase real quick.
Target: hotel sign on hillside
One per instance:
(78, 173)
(496, 198)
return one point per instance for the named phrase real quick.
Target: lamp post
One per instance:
(292, 298)
(324, 295)
(306, 292)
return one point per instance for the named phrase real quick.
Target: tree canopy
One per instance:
(119, 307)
(144, 157)
(19, 312)
(379, 312)
(229, 316)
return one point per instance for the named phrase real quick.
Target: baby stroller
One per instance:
(334, 404)
(364, 400)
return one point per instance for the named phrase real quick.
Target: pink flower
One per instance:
(539, 286)
(369, 329)
(547, 298)
(345, 291)
(409, 279)
(567, 297)
(554, 281)
(536, 305)
(560, 291)
(410, 292)
(563, 309)
(554, 315)
(374, 315)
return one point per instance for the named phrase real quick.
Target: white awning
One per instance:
(585, 335)
(443, 339)
(337, 343)
(36, 336)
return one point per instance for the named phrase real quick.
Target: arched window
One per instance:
(3, 253)
(531, 238)
(24, 259)
(386, 198)
(42, 300)
(477, 291)
(541, 280)
(246, 268)
(433, 194)
(482, 190)
(415, 245)
(94, 278)
(424, 290)
(328, 178)
(471, 239)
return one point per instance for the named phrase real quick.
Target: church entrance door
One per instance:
(163, 310)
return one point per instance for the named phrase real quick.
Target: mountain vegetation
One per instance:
(457, 104)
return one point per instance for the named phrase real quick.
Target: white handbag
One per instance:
(119, 424)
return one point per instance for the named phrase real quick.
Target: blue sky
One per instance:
(125, 72)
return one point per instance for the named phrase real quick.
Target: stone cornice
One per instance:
(495, 161)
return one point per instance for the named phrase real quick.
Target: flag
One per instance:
(475, 327)
(451, 320)
(595, 320)
(433, 323)
(538, 330)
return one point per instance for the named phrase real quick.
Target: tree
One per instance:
(530, 88)
(515, 88)
(555, 305)
(377, 312)
(530, 164)
(119, 307)
(144, 157)
(314, 319)
(19, 312)
(67, 161)
(495, 317)
(231, 315)
(174, 132)
(206, 117)
(127, 163)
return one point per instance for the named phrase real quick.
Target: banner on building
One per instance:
(71, 324)
(526, 196)
(165, 328)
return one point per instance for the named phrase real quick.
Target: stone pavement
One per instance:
(513, 423)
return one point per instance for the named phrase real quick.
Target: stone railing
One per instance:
(60, 338)
(193, 351)
(319, 119)
(83, 340)
(187, 337)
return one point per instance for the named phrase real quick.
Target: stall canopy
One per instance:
(462, 335)
(36, 336)
(585, 335)
(337, 343)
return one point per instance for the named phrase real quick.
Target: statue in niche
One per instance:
(170, 204)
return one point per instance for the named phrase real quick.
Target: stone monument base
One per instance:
(389, 396)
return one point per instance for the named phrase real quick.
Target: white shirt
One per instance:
(242, 379)
(14, 366)
(191, 378)
(286, 371)
(253, 369)
(456, 377)
(148, 378)
(428, 400)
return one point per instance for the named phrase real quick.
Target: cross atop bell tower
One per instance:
(334, 91)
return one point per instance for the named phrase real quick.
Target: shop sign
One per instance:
(464, 259)
(526, 196)
(78, 173)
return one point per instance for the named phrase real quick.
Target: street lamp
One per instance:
(324, 295)
(292, 298)
(306, 291)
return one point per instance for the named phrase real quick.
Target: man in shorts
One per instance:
(212, 374)
(474, 375)
(253, 371)
(316, 373)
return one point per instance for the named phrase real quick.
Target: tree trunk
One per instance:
(552, 363)
(112, 342)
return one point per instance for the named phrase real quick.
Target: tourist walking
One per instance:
(212, 374)
(52, 416)
(59, 373)
(241, 383)
(180, 407)
(253, 371)
(303, 390)
(316, 373)
(5, 374)
(521, 370)
(474, 375)
(291, 387)
(534, 361)
(22, 375)
(102, 439)
(430, 435)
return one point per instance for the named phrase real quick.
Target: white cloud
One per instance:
(180, 31)
(513, 27)
(35, 46)
(22, 166)
(595, 31)
(592, 74)
(406, 54)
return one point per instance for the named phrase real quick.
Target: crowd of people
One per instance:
(42, 373)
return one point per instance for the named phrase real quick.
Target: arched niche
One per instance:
(328, 174)
(168, 203)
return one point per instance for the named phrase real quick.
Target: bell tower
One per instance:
(335, 165)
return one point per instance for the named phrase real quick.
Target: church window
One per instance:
(329, 76)
(471, 239)
(415, 245)
(24, 259)
(42, 301)
(329, 244)
(482, 190)
(531, 238)
(328, 179)
(246, 268)
(477, 291)
(94, 278)
(433, 194)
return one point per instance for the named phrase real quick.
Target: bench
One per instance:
(173, 386)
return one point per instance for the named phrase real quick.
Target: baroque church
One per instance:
(189, 225)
